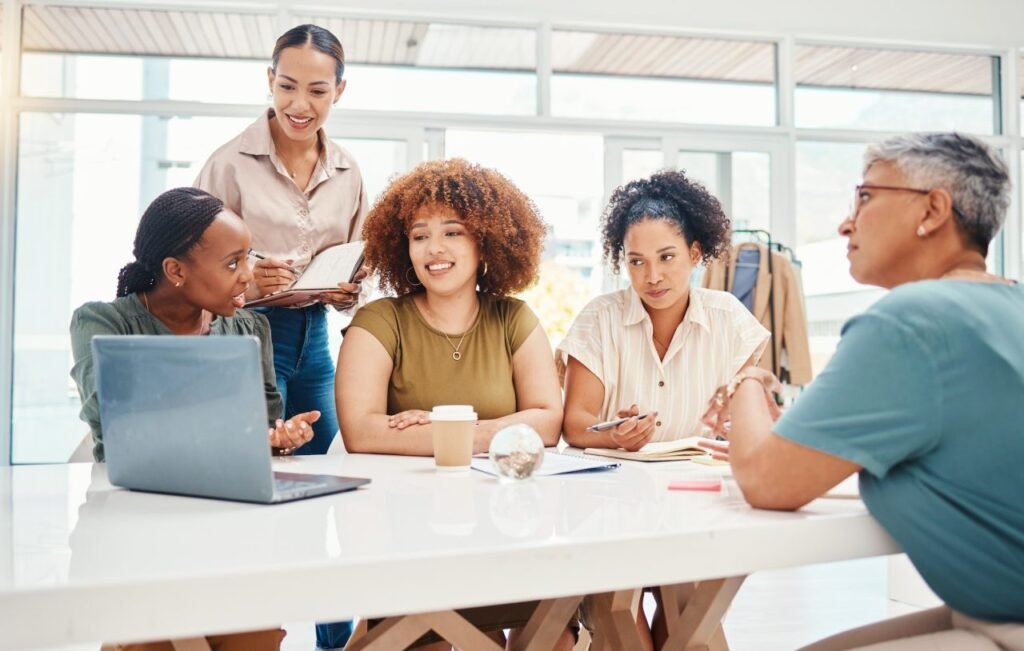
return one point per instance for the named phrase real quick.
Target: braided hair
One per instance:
(670, 196)
(170, 227)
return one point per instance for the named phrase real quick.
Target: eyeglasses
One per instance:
(858, 200)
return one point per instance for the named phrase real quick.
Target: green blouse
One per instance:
(425, 374)
(128, 316)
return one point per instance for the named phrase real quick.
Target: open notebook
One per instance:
(337, 264)
(678, 450)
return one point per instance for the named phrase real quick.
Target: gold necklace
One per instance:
(202, 318)
(663, 346)
(456, 355)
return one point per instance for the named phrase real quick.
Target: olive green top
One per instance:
(128, 316)
(424, 372)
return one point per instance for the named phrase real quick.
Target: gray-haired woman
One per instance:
(923, 397)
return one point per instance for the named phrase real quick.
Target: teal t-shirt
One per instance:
(926, 393)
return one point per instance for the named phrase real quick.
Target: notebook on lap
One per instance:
(188, 416)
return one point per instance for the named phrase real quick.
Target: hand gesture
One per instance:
(718, 415)
(293, 433)
(635, 432)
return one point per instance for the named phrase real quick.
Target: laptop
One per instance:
(188, 416)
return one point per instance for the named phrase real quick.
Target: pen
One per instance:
(600, 427)
(260, 256)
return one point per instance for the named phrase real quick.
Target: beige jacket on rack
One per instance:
(790, 315)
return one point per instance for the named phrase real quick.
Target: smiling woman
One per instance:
(300, 193)
(453, 240)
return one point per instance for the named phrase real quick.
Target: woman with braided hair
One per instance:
(189, 277)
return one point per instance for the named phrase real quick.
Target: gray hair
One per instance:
(975, 176)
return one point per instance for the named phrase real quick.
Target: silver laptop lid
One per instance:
(184, 415)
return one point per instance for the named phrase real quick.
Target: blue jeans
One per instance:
(305, 378)
(305, 369)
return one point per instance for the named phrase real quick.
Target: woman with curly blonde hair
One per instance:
(453, 240)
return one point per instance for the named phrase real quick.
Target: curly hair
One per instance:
(670, 196)
(500, 217)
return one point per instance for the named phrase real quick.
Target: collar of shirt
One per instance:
(695, 312)
(257, 141)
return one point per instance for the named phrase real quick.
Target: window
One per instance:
(563, 174)
(438, 67)
(83, 182)
(895, 90)
(136, 54)
(826, 173)
(741, 180)
(221, 57)
(662, 78)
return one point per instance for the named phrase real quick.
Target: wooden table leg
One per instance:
(546, 624)
(400, 632)
(391, 633)
(699, 625)
(612, 618)
(673, 599)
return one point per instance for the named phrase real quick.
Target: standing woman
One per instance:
(299, 193)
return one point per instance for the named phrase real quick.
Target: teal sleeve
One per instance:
(275, 406)
(878, 401)
(88, 321)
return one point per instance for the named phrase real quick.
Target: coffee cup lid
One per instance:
(453, 412)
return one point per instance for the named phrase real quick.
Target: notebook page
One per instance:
(331, 266)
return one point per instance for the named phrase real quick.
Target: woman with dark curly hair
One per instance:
(452, 240)
(654, 353)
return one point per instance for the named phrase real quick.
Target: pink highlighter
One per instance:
(710, 485)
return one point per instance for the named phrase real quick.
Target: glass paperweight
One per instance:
(516, 452)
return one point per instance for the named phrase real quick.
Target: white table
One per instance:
(81, 561)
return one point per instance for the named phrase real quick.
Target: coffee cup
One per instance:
(453, 428)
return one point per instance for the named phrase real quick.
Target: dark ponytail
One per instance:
(170, 227)
(317, 37)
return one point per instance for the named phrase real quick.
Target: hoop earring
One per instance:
(484, 272)
(409, 280)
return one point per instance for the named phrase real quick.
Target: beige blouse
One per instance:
(612, 337)
(286, 222)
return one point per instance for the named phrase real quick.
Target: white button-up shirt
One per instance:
(613, 338)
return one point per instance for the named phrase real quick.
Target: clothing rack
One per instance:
(766, 238)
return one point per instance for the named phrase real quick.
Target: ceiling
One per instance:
(191, 33)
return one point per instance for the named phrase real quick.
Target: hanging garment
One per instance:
(779, 294)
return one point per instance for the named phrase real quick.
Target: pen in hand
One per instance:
(608, 424)
(260, 256)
